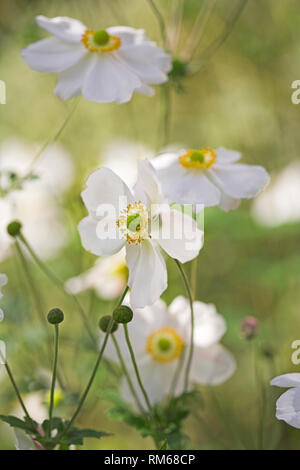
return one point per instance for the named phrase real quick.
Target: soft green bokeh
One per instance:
(240, 99)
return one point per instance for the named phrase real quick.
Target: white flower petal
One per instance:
(238, 180)
(52, 55)
(147, 188)
(104, 187)
(128, 35)
(156, 378)
(23, 441)
(182, 185)
(179, 235)
(288, 407)
(109, 80)
(62, 27)
(287, 380)
(212, 365)
(225, 156)
(70, 81)
(228, 203)
(147, 273)
(149, 62)
(89, 232)
(3, 282)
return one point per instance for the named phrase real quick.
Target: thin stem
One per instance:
(176, 375)
(16, 389)
(125, 371)
(58, 133)
(94, 372)
(194, 275)
(191, 350)
(51, 406)
(59, 284)
(136, 369)
(160, 20)
(199, 28)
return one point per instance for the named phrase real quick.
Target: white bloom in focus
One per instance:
(288, 405)
(142, 222)
(208, 177)
(108, 277)
(36, 204)
(160, 334)
(104, 66)
(280, 203)
(121, 156)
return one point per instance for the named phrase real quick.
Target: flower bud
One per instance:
(55, 316)
(123, 314)
(249, 328)
(14, 228)
(105, 322)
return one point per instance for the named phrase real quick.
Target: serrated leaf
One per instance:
(14, 422)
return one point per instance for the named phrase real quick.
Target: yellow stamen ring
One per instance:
(164, 345)
(198, 159)
(87, 39)
(133, 223)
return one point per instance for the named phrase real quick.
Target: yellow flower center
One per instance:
(133, 223)
(164, 345)
(100, 41)
(198, 159)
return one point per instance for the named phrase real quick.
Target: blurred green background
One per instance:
(239, 99)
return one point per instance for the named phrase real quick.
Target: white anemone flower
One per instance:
(160, 335)
(208, 177)
(121, 156)
(36, 205)
(104, 66)
(288, 405)
(108, 277)
(142, 222)
(3, 282)
(280, 203)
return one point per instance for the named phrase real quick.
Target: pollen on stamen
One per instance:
(100, 41)
(198, 159)
(133, 223)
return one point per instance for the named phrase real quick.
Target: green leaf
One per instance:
(27, 425)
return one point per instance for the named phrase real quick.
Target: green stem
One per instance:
(16, 389)
(94, 372)
(59, 284)
(191, 350)
(194, 275)
(160, 20)
(125, 371)
(136, 369)
(51, 406)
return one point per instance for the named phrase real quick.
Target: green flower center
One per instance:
(134, 222)
(101, 37)
(197, 157)
(164, 344)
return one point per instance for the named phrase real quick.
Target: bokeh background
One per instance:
(250, 265)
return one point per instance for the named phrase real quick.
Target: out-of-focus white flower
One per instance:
(36, 204)
(108, 277)
(3, 282)
(208, 177)
(35, 404)
(23, 441)
(140, 221)
(280, 203)
(104, 66)
(160, 334)
(288, 405)
(121, 157)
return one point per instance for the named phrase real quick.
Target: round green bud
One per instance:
(105, 322)
(55, 316)
(123, 314)
(14, 228)
(101, 37)
(179, 69)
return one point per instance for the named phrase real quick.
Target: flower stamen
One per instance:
(133, 223)
(100, 41)
(198, 159)
(164, 345)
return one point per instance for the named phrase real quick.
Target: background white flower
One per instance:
(3, 282)
(134, 224)
(104, 66)
(108, 277)
(209, 177)
(288, 405)
(280, 202)
(36, 205)
(159, 335)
